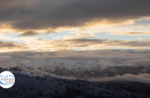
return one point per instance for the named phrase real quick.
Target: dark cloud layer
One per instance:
(108, 42)
(29, 33)
(42, 14)
(9, 45)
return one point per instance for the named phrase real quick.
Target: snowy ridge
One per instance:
(79, 66)
(78, 69)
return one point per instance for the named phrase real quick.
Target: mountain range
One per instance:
(77, 69)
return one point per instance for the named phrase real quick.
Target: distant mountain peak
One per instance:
(46, 60)
(81, 62)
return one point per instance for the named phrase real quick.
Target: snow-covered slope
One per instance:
(81, 66)
(78, 65)
(30, 86)
(48, 65)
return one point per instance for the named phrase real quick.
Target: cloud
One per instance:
(145, 62)
(5, 57)
(131, 33)
(44, 14)
(28, 33)
(10, 46)
(78, 42)
(143, 39)
(144, 78)
(78, 36)
(101, 43)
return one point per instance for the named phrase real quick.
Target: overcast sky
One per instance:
(74, 25)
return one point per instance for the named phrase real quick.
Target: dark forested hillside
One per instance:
(31, 86)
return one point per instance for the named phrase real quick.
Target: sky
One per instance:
(74, 25)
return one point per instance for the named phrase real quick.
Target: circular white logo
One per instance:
(7, 79)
